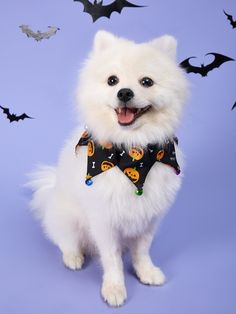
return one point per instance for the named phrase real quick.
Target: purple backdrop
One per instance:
(196, 243)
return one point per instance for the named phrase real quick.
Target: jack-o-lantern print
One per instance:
(136, 152)
(160, 154)
(132, 173)
(106, 165)
(91, 148)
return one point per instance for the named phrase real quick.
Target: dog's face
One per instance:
(132, 93)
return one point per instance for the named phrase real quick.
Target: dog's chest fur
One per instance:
(112, 199)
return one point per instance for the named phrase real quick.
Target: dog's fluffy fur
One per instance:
(108, 216)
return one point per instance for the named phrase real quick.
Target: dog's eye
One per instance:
(146, 82)
(112, 80)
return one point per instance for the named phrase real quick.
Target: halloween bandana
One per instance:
(135, 162)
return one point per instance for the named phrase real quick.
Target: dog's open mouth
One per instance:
(127, 116)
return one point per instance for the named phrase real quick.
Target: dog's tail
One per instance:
(42, 182)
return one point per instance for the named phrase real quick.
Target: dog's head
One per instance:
(131, 93)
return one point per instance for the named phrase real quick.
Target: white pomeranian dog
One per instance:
(109, 192)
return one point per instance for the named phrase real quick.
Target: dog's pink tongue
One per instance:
(125, 116)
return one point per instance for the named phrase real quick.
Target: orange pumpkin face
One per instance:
(136, 152)
(132, 174)
(160, 154)
(106, 165)
(90, 148)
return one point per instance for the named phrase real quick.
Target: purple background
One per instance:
(196, 244)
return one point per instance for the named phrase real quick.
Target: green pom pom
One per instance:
(139, 192)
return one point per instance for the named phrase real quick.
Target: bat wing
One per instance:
(22, 117)
(97, 10)
(26, 30)
(118, 5)
(5, 110)
(52, 31)
(219, 59)
(188, 67)
(10, 117)
(88, 6)
(234, 106)
(230, 18)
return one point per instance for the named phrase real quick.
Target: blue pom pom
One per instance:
(89, 182)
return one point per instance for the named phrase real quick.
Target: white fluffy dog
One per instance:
(130, 95)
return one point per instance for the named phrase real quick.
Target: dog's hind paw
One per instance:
(73, 261)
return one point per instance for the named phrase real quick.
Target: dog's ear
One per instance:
(166, 44)
(103, 40)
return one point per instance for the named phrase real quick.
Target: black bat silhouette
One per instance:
(204, 69)
(234, 106)
(13, 117)
(230, 18)
(97, 9)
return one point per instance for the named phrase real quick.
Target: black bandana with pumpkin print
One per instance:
(135, 163)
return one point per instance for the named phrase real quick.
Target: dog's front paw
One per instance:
(114, 293)
(73, 261)
(150, 275)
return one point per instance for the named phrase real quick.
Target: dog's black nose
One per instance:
(125, 94)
